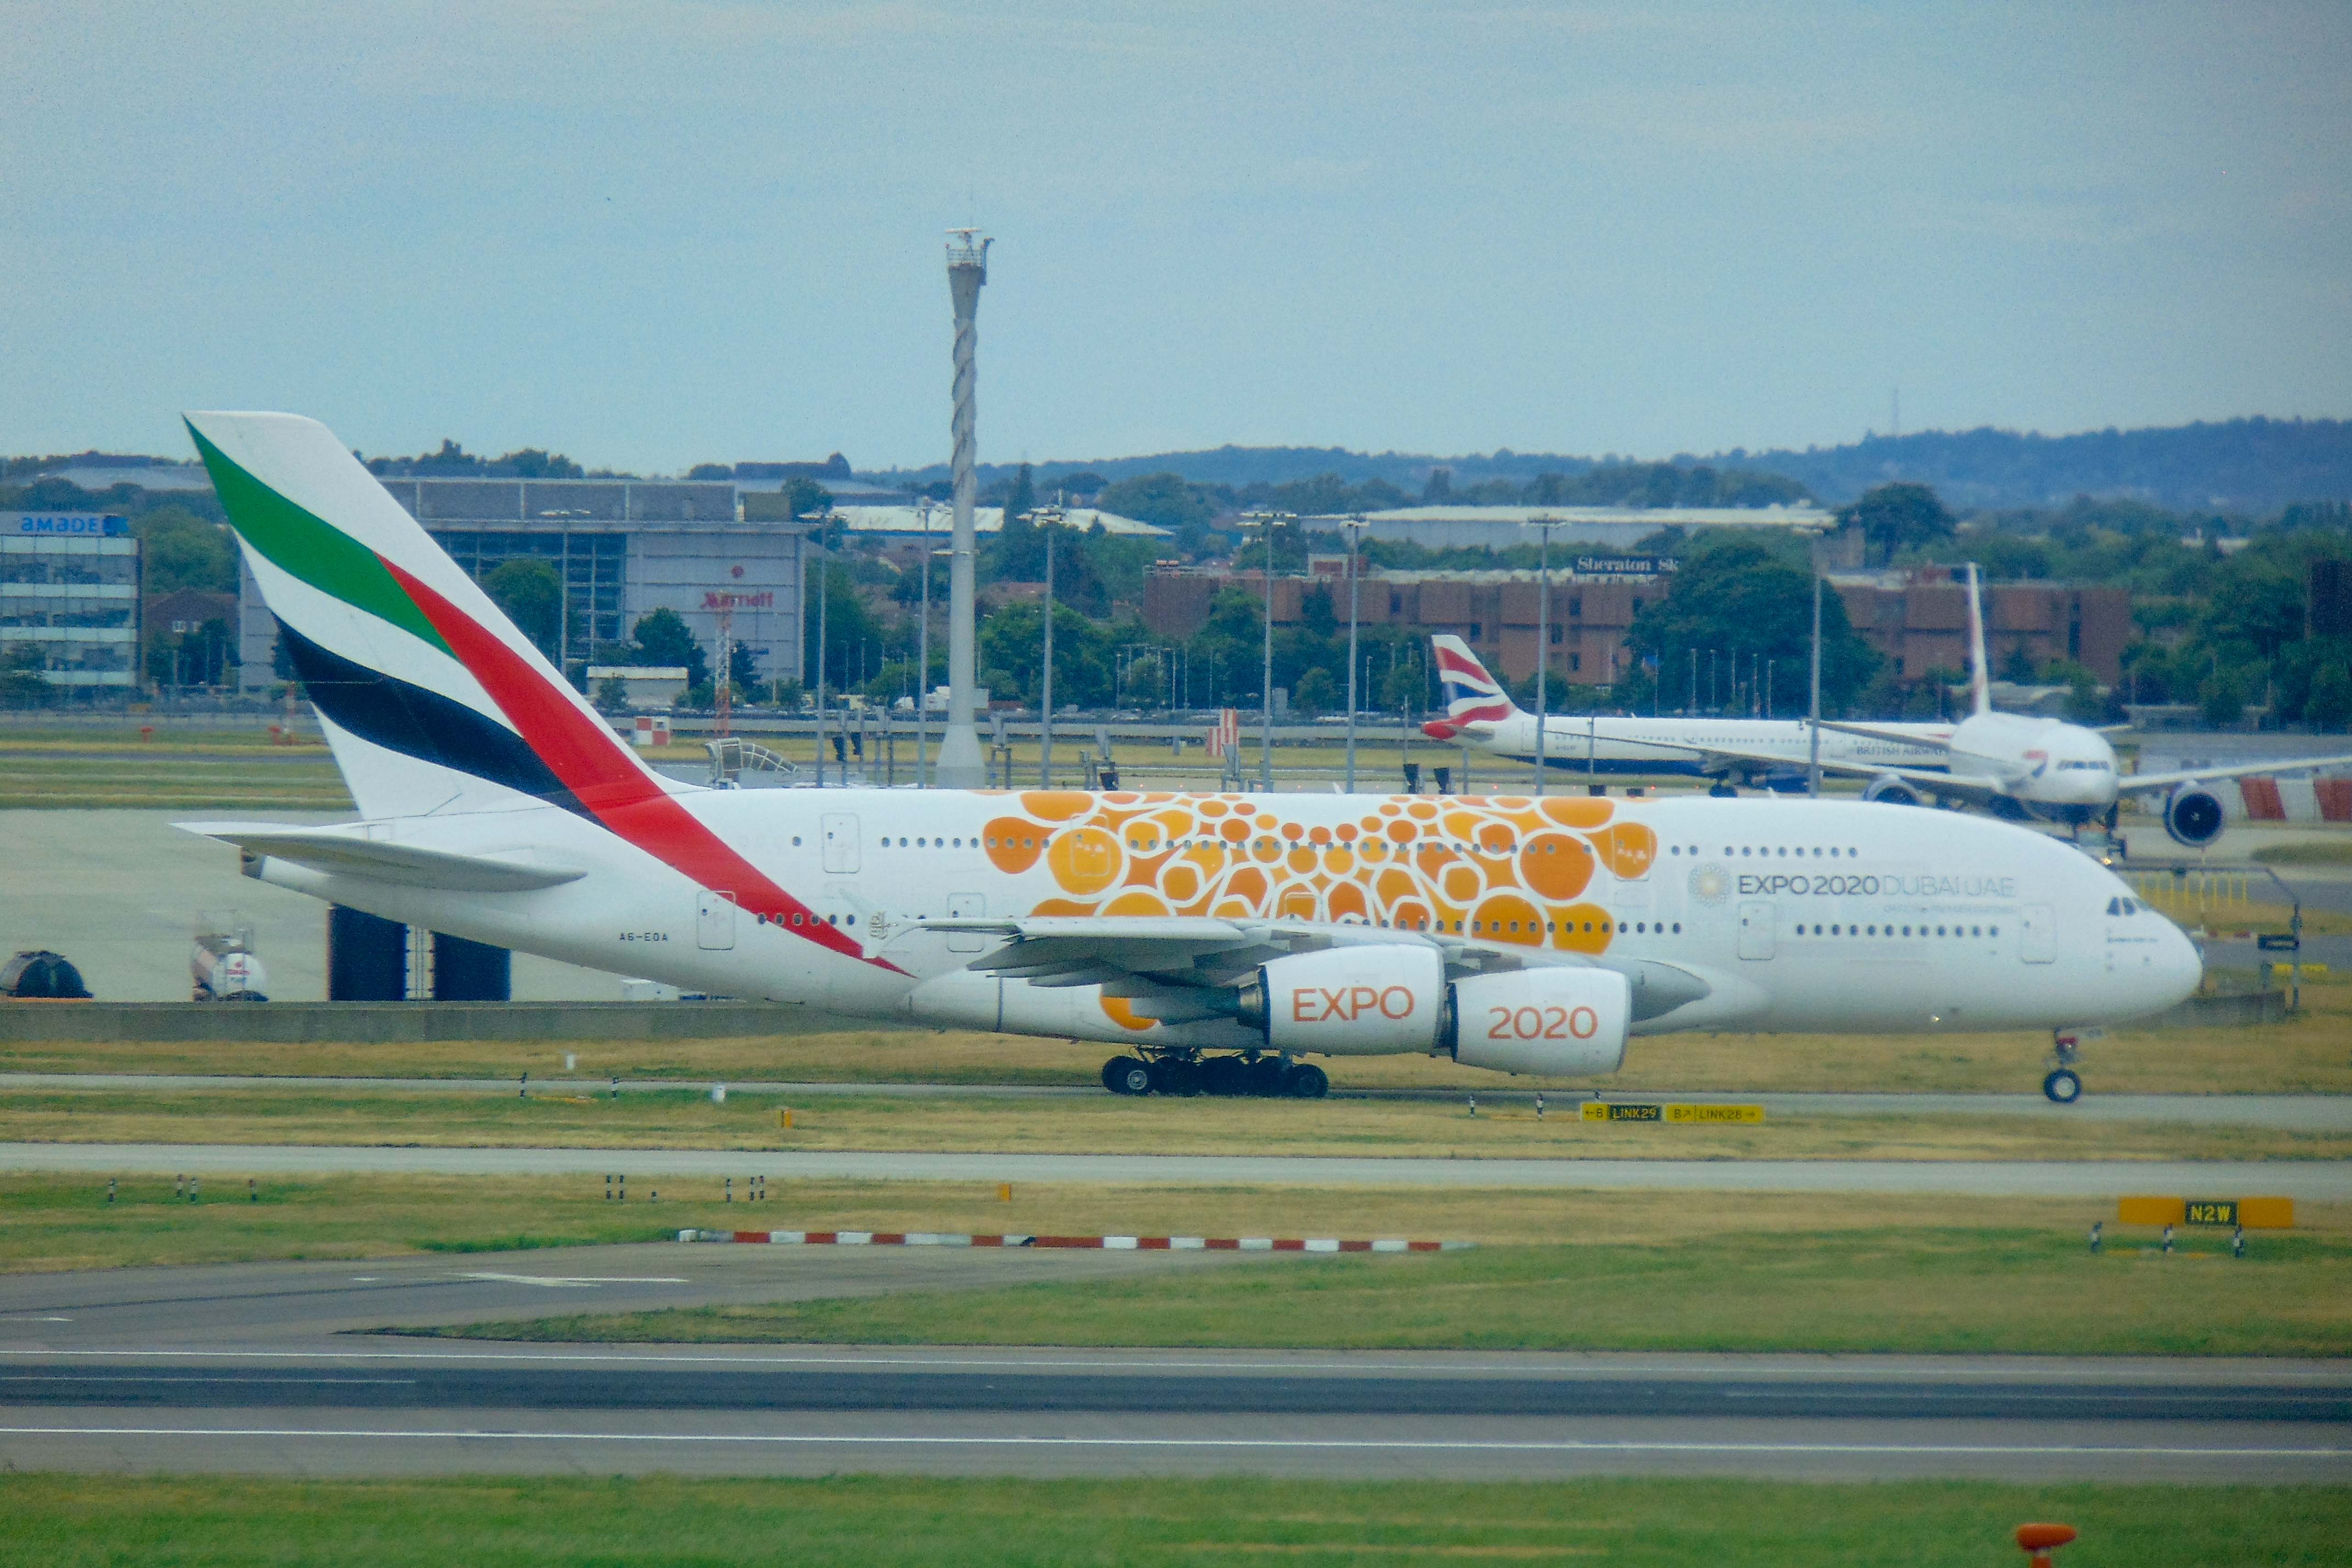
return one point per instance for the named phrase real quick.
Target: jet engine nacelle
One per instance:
(1373, 1001)
(1892, 789)
(1565, 1023)
(2193, 816)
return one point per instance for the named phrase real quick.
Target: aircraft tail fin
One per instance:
(1980, 679)
(1472, 695)
(431, 698)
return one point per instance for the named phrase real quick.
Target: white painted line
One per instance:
(35, 1319)
(2329, 1379)
(569, 1281)
(814, 1439)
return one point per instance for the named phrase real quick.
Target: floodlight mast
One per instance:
(959, 766)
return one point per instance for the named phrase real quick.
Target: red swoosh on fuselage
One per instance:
(612, 785)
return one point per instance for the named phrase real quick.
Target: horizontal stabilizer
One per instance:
(347, 852)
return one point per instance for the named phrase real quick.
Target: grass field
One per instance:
(1105, 1124)
(2310, 1053)
(1945, 1289)
(83, 1521)
(176, 769)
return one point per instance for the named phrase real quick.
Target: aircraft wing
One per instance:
(1172, 968)
(343, 851)
(1974, 789)
(2141, 783)
(1925, 742)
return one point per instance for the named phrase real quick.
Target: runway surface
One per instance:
(251, 1368)
(2315, 1181)
(2298, 1113)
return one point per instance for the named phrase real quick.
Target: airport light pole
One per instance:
(1813, 762)
(1267, 522)
(923, 658)
(1355, 527)
(824, 580)
(1543, 527)
(1047, 519)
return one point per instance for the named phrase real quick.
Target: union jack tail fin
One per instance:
(1472, 695)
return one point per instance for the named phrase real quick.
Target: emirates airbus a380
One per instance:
(1214, 939)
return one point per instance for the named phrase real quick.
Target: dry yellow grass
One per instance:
(1093, 1125)
(2311, 1053)
(53, 1222)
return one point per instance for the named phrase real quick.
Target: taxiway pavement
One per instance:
(2296, 1113)
(254, 1368)
(2310, 1181)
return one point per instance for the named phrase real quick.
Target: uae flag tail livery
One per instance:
(435, 705)
(1472, 695)
(431, 698)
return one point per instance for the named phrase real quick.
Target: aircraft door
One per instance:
(2037, 935)
(840, 836)
(966, 906)
(714, 920)
(1755, 930)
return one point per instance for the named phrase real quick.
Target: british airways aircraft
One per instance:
(2016, 765)
(1214, 940)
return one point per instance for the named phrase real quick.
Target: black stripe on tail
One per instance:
(414, 722)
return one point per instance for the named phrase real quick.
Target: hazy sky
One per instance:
(651, 233)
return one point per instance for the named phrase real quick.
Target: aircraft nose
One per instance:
(2182, 968)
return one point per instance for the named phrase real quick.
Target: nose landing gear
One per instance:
(2063, 1085)
(1187, 1072)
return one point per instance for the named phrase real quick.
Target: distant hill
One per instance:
(2240, 465)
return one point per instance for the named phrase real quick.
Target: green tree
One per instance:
(179, 550)
(2019, 667)
(2329, 706)
(849, 627)
(1164, 501)
(1023, 496)
(22, 683)
(1318, 692)
(1012, 646)
(1898, 517)
(662, 639)
(531, 462)
(532, 595)
(1740, 596)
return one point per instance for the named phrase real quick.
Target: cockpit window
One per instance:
(2123, 907)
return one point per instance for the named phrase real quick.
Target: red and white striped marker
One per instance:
(1094, 1243)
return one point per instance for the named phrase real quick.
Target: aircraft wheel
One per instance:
(1722, 792)
(1308, 1083)
(1170, 1075)
(2063, 1086)
(1225, 1075)
(1266, 1077)
(1126, 1075)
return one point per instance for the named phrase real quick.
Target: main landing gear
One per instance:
(1190, 1072)
(2063, 1085)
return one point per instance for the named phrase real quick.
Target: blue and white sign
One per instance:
(85, 524)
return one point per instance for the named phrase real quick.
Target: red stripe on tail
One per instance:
(607, 780)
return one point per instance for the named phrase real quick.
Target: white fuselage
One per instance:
(2052, 769)
(1617, 744)
(1811, 916)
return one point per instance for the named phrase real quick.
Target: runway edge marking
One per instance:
(1093, 1243)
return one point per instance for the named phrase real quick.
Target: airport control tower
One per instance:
(959, 766)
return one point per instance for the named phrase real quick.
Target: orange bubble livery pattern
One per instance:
(1504, 869)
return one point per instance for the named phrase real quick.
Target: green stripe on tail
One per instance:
(310, 548)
